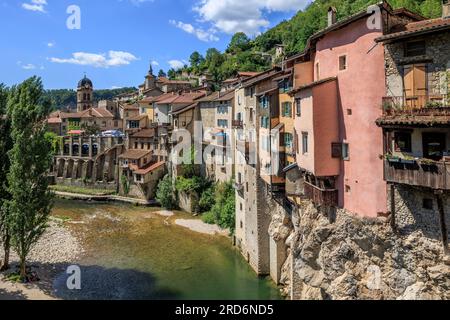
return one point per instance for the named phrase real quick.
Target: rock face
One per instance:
(340, 257)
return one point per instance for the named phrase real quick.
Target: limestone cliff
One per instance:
(338, 256)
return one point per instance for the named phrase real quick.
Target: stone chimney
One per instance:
(446, 9)
(332, 16)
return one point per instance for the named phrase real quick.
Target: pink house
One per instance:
(339, 146)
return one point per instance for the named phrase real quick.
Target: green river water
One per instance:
(133, 253)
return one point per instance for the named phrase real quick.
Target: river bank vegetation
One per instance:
(26, 152)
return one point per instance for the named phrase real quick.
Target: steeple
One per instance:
(150, 71)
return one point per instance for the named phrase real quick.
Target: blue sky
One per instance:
(119, 38)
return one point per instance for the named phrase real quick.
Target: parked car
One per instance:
(113, 133)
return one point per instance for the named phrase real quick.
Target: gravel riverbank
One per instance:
(56, 249)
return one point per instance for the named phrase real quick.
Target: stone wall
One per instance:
(338, 256)
(437, 59)
(412, 218)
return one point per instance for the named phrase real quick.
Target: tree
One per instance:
(30, 158)
(162, 74)
(165, 193)
(5, 147)
(90, 129)
(172, 74)
(239, 42)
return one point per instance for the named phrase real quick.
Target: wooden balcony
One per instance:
(425, 105)
(434, 175)
(321, 197)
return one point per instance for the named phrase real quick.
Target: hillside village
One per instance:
(339, 155)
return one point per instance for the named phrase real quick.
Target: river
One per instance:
(134, 253)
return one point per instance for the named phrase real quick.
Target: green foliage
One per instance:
(54, 140)
(245, 54)
(207, 199)
(6, 145)
(90, 129)
(125, 184)
(165, 193)
(161, 74)
(30, 158)
(223, 212)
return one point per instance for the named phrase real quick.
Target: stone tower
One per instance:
(85, 94)
(150, 79)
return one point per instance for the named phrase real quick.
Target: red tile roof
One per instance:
(419, 27)
(134, 154)
(149, 169)
(144, 133)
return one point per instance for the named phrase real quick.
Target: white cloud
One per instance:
(176, 64)
(201, 34)
(155, 63)
(113, 59)
(232, 16)
(35, 5)
(29, 66)
(51, 44)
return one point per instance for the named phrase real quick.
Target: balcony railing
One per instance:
(237, 124)
(429, 174)
(417, 105)
(322, 197)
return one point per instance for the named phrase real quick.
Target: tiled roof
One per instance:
(182, 108)
(139, 117)
(424, 121)
(133, 106)
(54, 120)
(90, 113)
(135, 154)
(248, 74)
(260, 77)
(419, 27)
(150, 168)
(144, 133)
(312, 84)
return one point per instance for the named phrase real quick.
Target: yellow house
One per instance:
(287, 115)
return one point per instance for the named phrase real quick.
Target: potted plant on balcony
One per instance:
(392, 159)
(408, 160)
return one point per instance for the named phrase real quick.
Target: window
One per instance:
(298, 107)
(304, 142)
(288, 139)
(251, 114)
(427, 204)
(222, 123)
(286, 108)
(252, 92)
(138, 177)
(402, 141)
(415, 48)
(345, 151)
(264, 101)
(239, 178)
(265, 122)
(342, 63)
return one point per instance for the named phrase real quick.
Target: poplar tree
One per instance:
(30, 158)
(5, 146)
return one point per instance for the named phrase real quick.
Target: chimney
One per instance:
(332, 16)
(446, 9)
